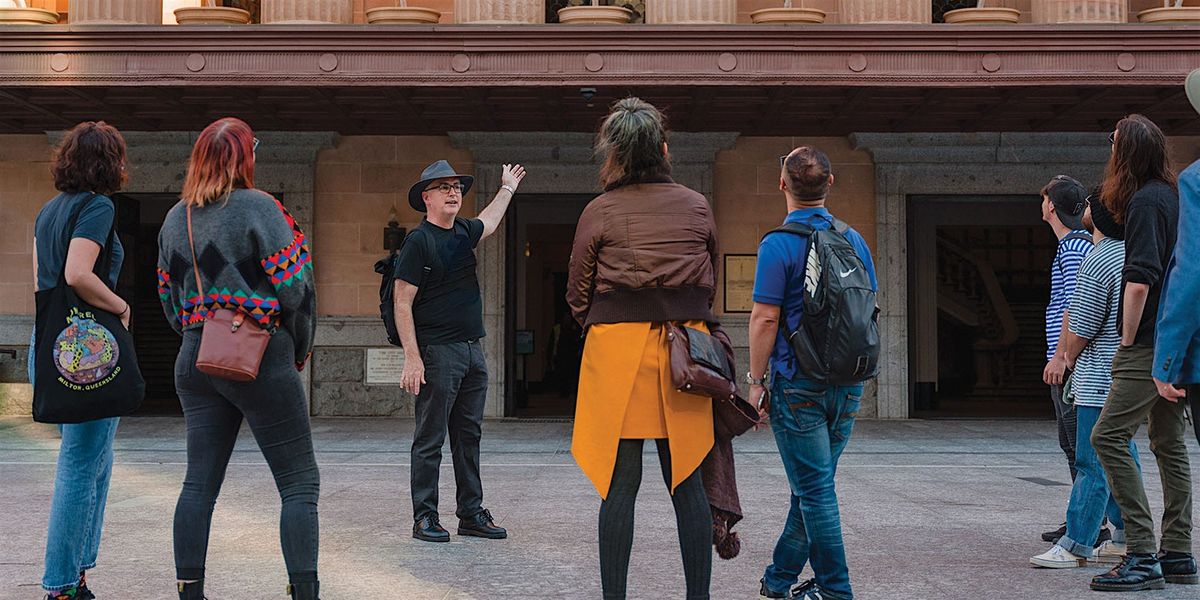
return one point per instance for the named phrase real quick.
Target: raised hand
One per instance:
(512, 175)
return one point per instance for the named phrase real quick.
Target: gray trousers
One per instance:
(1064, 414)
(451, 400)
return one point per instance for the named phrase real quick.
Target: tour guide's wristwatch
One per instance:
(752, 381)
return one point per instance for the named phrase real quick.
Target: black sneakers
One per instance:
(767, 592)
(304, 591)
(481, 525)
(1053, 536)
(807, 591)
(1178, 567)
(1136, 573)
(429, 529)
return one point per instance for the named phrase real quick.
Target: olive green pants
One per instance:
(1132, 399)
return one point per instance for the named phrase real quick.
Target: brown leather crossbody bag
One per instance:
(231, 345)
(701, 363)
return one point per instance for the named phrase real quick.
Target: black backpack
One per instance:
(386, 267)
(838, 338)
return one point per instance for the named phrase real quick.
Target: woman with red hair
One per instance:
(229, 247)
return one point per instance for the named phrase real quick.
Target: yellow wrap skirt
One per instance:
(625, 392)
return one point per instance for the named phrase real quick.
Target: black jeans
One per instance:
(275, 407)
(452, 399)
(1064, 414)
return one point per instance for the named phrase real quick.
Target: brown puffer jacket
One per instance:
(644, 252)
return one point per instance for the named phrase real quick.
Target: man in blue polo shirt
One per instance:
(811, 420)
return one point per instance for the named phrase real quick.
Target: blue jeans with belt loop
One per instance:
(812, 423)
(85, 460)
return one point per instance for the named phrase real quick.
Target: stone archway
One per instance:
(558, 163)
(911, 164)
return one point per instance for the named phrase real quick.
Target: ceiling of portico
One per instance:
(778, 110)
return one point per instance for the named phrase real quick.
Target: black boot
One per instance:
(1136, 573)
(304, 591)
(191, 591)
(1178, 567)
(1053, 536)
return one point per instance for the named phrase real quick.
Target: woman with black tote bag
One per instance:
(76, 353)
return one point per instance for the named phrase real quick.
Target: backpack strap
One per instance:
(1078, 235)
(802, 229)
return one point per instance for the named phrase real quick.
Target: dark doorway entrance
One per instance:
(139, 218)
(978, 286)
(545, 342)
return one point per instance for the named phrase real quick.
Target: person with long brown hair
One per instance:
(70, 232)
(1139, 191)
(229, 246)
(645, 253)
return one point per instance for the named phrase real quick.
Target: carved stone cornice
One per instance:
(460, 55)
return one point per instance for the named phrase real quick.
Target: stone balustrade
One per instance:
(500, 11)
(1080, 11)
(886, 11)
(116, 12)
(307, 12)
(691, 11)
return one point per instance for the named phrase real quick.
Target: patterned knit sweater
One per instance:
(252, 257)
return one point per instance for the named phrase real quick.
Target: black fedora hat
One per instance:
(438, 170)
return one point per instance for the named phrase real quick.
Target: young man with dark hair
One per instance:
(1063, 200)
(812, 420)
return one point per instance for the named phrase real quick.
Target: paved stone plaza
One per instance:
(932, 510)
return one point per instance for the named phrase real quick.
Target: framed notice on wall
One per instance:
(739, 282)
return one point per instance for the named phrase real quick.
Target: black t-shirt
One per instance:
(448, 307)
(1151, 225)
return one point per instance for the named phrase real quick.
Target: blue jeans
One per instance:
(1090, 499)
(812, 423)
(85, 461)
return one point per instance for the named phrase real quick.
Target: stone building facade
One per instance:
(368, 109)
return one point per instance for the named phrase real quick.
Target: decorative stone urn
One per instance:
(886, 11)
(787, 14)
(116, 12)
(211, 14)
(16, 12)
(982, 15)
(308, 12)
(403, 15)
(1080, 11)
(1173, 11)
(595, 14)
(499, 12)
(691, 12)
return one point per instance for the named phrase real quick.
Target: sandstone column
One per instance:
(116, 12)
(1080, 11)
(499, 11)
(886, 11)
(691, 11)
(289, 12)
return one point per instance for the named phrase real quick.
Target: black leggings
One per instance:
(275, 408)
(692, 516)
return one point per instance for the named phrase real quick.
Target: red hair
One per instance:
(222, 161)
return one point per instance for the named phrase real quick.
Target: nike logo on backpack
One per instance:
(847, 273)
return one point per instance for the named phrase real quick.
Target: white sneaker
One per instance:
(1109, 552)
(1058, 557)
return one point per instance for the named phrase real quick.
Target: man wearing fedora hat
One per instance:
(439, 316)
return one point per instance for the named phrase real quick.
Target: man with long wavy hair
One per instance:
(1139, 190)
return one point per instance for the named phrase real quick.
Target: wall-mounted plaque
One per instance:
(524, 341)
(384, 366)
(739, 282)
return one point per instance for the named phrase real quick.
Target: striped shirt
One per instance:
(1071, 250)
(1093, 316)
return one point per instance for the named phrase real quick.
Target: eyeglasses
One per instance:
(1112, 138)
(783, 160)
(446, 188)
(254, 148)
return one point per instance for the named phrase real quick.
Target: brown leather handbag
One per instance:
(231, 345)
(700, 362)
